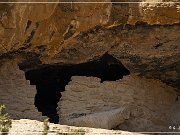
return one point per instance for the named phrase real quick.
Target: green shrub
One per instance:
(5, 121)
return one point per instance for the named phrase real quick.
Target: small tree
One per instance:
(5, 121)
(46, 127)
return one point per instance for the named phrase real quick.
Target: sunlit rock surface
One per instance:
(144, 37)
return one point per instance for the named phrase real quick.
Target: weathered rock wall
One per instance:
(64, 33)
(17, 93)
(45, 28)
(141, 49)
(145, 37)
(138, 104)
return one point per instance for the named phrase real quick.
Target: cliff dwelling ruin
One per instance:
(50, 81)
(102, 65)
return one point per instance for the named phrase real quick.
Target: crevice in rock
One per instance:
(27, 42)
(71, 30)
(50, 80)
(28, 24)
(51, 35)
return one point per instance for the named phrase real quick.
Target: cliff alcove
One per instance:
(50, 80)
(52, 63)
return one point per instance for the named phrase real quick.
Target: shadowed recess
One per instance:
(50, 80)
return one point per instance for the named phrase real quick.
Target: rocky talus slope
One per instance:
(144, 37)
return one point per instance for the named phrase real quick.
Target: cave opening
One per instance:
(50, 80)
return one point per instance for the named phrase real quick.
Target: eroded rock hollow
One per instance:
(50, 81)
(103, 65)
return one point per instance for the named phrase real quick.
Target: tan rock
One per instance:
(71, 33)
(17, 95)
(151, 104)
(26, 127)
(107, 120)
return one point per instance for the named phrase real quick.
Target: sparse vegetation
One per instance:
(5, 121)
(77, 132)
(46, 127)
(74, 132)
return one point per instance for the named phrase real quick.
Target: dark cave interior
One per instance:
(50, 80)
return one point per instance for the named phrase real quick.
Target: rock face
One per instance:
(133, 104)
(143, 36)
(17, 93)
(68, 33)
(106, 120)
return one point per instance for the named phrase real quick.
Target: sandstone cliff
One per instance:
(143, 36)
